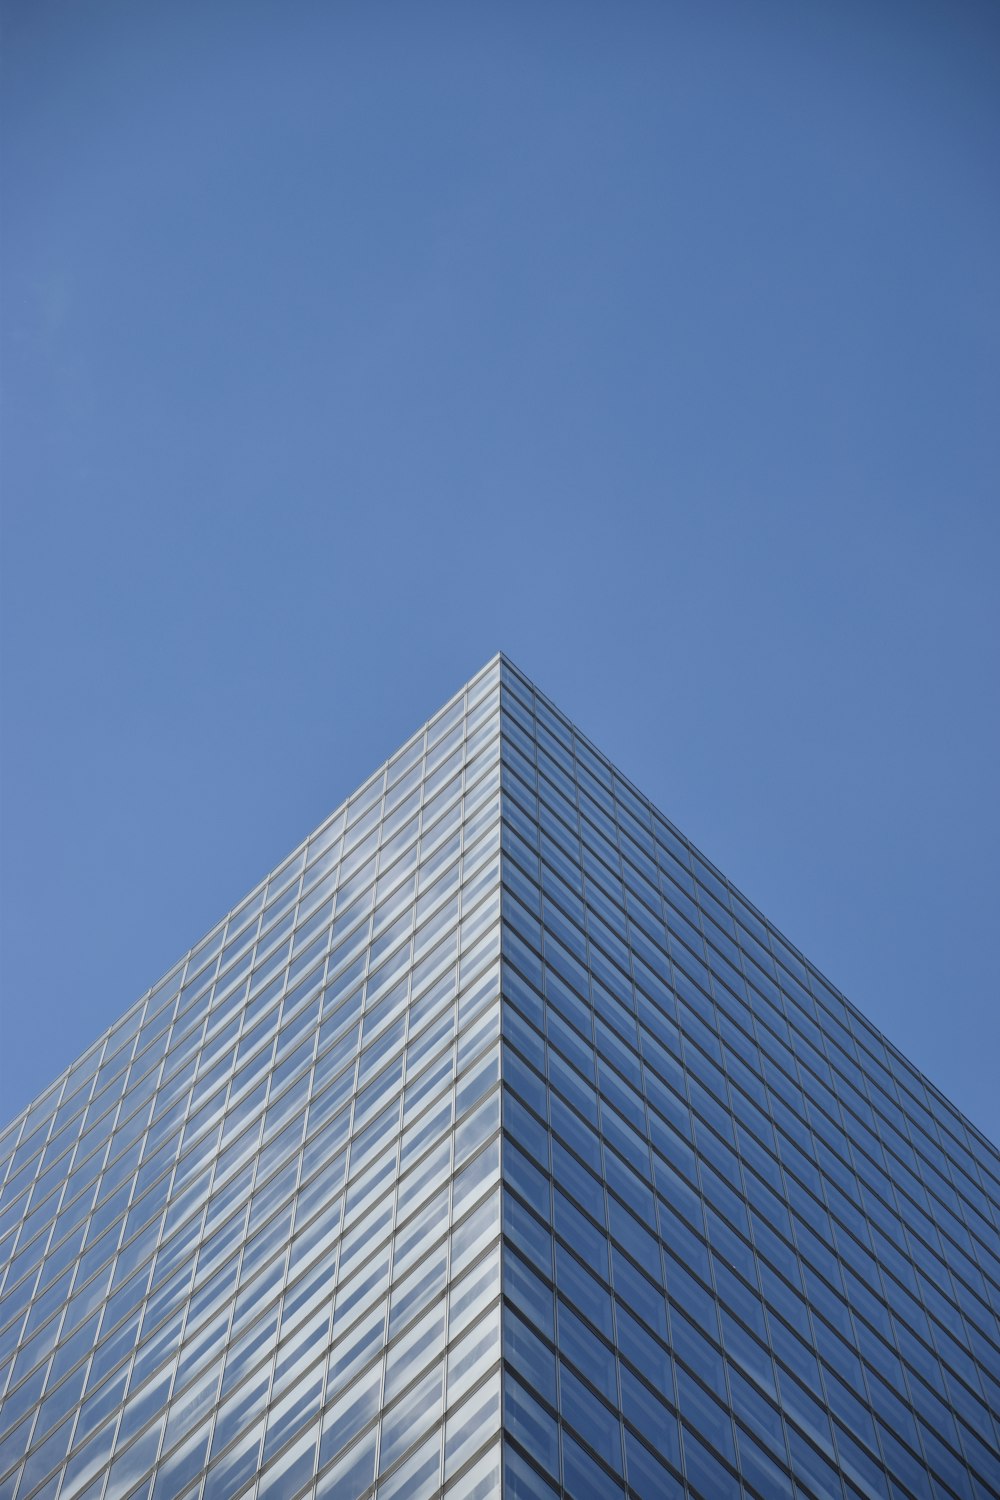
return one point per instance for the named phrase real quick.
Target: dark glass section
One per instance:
(747, 1247)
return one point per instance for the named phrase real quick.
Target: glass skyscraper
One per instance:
(496, 1145)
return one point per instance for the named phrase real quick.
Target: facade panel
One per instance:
(748, 1249)
(267, 1238)
(250, 1241)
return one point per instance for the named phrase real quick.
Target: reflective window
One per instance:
(743, 1237)
(255, 1231)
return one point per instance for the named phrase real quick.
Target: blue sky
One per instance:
(656, 345)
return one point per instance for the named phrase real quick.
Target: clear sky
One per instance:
(654, 344)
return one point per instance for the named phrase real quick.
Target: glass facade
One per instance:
(250, 1242)
(748, 1249)
(496, 1144)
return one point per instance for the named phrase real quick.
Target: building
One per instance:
(267, 1237)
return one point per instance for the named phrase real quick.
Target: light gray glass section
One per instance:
(249, 1243)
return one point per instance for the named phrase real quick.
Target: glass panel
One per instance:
(219, 1195)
